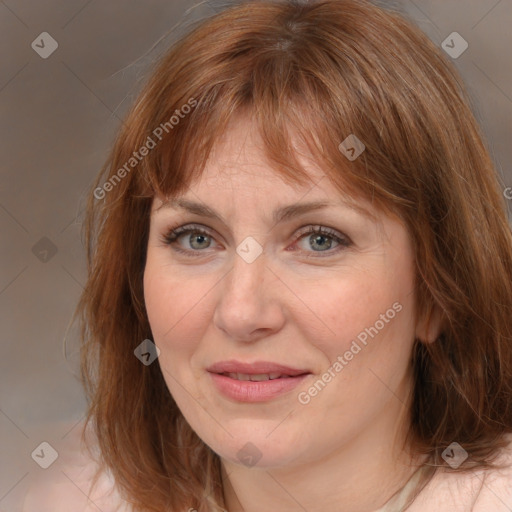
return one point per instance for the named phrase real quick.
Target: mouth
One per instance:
(255, 382)
(256, 377)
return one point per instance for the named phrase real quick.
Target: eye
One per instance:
(198, 239)
(320, 240)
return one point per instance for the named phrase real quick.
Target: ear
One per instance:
(429, 329)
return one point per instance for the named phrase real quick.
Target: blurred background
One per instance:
(70, 71)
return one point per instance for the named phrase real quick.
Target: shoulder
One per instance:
(496, 491)
(483, 490)
(66, 485)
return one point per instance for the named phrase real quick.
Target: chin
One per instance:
(254, 447)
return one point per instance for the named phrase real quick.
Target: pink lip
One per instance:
(255, 368)
(249, 391)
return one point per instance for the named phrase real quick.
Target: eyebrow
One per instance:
(281, 214)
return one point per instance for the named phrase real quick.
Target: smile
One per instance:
(258, 381)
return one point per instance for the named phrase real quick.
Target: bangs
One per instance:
(293, 106)
(285, 132)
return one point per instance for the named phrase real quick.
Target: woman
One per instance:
(300, 276)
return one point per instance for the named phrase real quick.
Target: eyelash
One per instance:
(172, 235)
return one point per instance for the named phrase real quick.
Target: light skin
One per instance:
(300, 304)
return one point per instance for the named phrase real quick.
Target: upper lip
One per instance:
(255, 368)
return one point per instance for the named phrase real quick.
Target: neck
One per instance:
(360, 475)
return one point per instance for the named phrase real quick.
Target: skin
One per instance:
(342, 450)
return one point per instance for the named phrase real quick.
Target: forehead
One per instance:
(238, 172)
(237, 188)
(238, 159)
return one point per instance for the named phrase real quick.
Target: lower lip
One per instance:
(251, 391)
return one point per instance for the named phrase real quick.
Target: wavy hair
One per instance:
(326, 69)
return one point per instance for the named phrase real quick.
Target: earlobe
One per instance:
(429, 327)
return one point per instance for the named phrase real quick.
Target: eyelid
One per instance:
(173, 233)
(323, 229)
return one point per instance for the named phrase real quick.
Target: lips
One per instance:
(256, 368)
(255, 382)
(257, 377)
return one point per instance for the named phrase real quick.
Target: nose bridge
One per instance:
(246, 277)
(243, 310)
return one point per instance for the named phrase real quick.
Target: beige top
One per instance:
(65, 487)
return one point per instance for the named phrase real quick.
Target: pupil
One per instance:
(199, 237)
(316, 238)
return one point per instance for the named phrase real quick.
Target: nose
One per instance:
(249, 303)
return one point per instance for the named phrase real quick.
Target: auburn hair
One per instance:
(325, 70)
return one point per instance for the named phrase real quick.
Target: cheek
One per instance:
(167, 314)
(156, 298)
(367, 353)
(171, 301)
(175, 307)
(350, 308)
(372, 320)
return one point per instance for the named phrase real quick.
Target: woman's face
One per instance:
(336, 313)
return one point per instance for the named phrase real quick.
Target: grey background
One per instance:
(59, 117)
